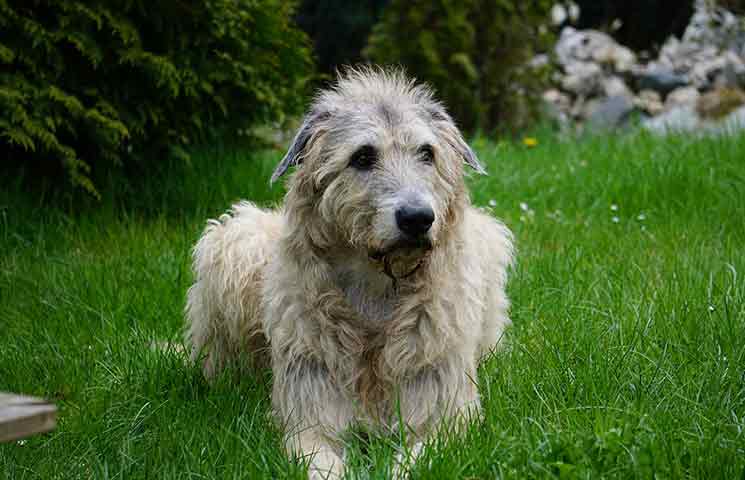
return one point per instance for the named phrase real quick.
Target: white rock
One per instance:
(570, 40)
(732, 124)
(620, 58)
(610, 113)
(649, 101)
(685, 119)
(685, 96)
(558, 98)
(711, 25)
(733, 74)
(582, 78)
(574, 11)
(670, 49)
(558, 106)
(660, 80)
(711, 47)
(589, 107)
(704, 73)
(614, 86)
(677, 120)
(559, 14)
(592, 45)
(720, 102)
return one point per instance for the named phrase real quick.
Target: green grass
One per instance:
(628, 356)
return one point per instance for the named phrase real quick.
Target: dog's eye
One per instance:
(427, 154)
(364, 158)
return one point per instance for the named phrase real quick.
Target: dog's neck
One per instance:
(369, 291)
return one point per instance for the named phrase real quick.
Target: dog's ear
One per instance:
(294, 155)
(446, 126)
(469, 156)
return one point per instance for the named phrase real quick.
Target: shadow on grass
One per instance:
(215, 176)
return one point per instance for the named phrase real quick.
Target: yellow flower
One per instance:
(530, 142)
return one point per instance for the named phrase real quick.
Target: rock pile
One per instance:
(696, 82)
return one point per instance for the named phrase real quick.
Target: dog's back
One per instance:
(224, 304)
(489, 255)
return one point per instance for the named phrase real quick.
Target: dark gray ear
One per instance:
(453, 137)
(294, 155)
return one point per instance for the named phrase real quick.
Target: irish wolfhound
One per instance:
(375, 289)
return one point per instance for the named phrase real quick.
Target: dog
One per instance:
(375, 289)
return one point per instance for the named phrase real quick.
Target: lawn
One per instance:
(628, 345)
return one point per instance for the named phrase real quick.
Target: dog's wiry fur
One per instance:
(356, 326)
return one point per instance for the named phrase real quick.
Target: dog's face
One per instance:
(383, 163)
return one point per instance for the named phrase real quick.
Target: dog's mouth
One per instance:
(404, 257)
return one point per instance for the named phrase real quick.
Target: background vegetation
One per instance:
(339, 29)
(94, 85)
(473, 52)
(87, 88)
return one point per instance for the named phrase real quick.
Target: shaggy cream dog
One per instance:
(375, 290)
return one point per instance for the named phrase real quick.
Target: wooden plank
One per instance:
(22, 416)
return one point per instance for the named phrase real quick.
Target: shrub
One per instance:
(338, 28)
(95, 84)
(474, 52)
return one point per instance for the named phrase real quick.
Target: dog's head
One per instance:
(380, 169)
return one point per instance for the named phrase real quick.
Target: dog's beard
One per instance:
(402, 259)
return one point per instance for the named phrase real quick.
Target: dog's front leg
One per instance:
(444, 392)
(307, 397)
(313, 443)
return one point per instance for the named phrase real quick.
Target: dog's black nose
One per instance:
(414, 221)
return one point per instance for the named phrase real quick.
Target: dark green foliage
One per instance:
(473, 52)
(98, 84)
(735, 6)
(339, 29)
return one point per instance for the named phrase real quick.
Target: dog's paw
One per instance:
(405, 460)
(326, 465)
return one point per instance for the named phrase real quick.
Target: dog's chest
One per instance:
(371, 295)
(373, 309)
